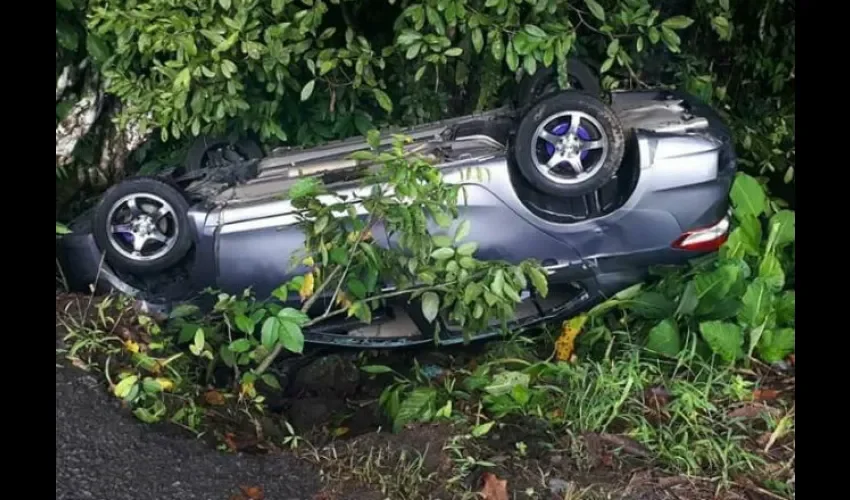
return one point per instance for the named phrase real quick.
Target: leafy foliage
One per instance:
(740, 302)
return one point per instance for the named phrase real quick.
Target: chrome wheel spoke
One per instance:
(555, 160)
(549, 137)
(158, 236)
(591, 145)
(575, 123)
(575, 163)
(139, 243)
(160, 213)
(134, 207)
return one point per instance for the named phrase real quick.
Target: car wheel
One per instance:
(215, 152)
(142, 226)
(544, 81)
(569, 144)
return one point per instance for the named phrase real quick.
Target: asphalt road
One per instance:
(103, 453)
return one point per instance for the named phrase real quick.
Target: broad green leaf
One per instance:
(724, 339)
(225, 4)
(227, 356)
(770, 270)
(307, 90)
(677, 22)
(756, 303)
(430, 306)
(776, 345)
(97, 48)
(198, 342)
(357, 288)
(383, 100)
(293, 315)
(413, 406)
(443, 253)
(291, 337)
(689, 301)
(629, 293)
(240, 346)
(595, 9)
(714, 285)
(62, 229)
(664, 338)
(783, 227)
(245, 324)
(467, 249)
(497, 47)
(511, 57)
(529, 64)
(748, 196)
(535, 31)
(462, 231)
(453, 52)
(651, 305)
(540, 281)
(497, 283)
(270, 332)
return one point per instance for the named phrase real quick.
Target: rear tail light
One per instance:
(707, 239)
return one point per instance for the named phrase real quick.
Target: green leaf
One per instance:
(689, 301)
(293, 315)
(413, 406)
(462, 231)
(664, 338)
(183, 311)
(721, 27)
(467, 249)
(652, 305)
(504, 382)
(725, 339)
(453, 52)
(123, 388)
(245, 324)
(714, 285)
(776, 345)
(677, 22)
(756, 303)
(529, 64)
(748, 196)
(383, 100)
(430, 306)
(770, 270)
(240, 346)
(783, 227)
(307, 90)
(613, 48)
(270, 380)
(482, 429)
(497, 283)
(786, 308)
(477, 40)
(357, 288)
(595, 9)
(225, 4)
(442, 241)
(376, 369)
(270, 332)
(497, 47)
(535, 31)
(511, 57)
(62, 229)
(97, 48)
(227, 356)
(291, 337)
(198, 342)
(443, 253)
(540, 281)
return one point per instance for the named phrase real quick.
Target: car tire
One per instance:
(197, 156)
(143, 210)
(560, 159)
(544, 81)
